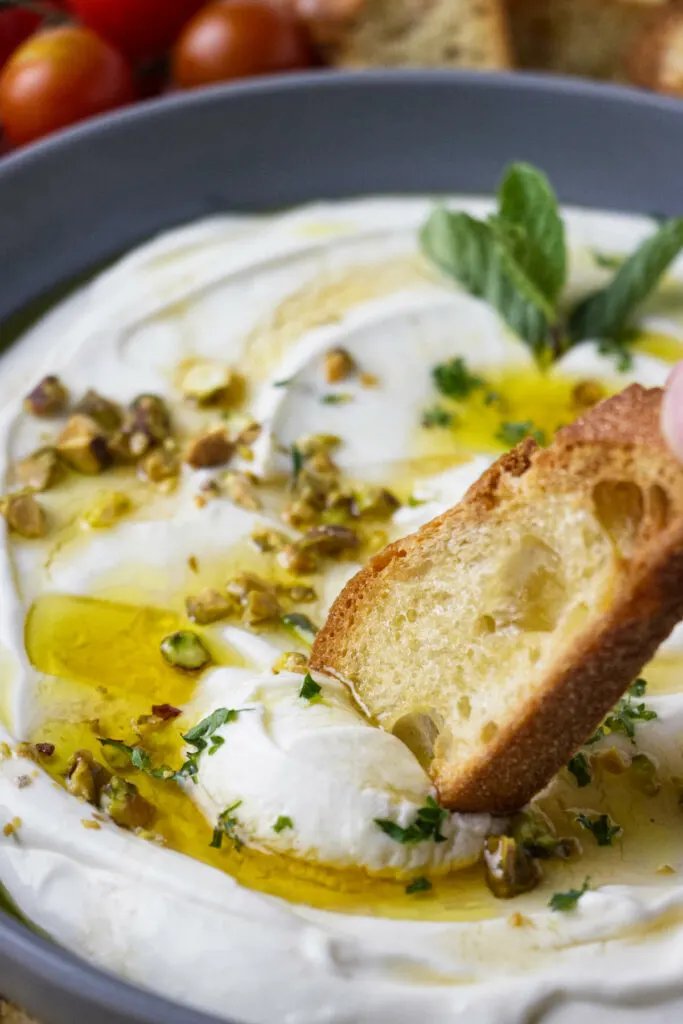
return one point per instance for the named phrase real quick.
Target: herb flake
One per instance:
(511, 434)
(603, 829)
(436, 416)
(282, 823)
(310, 690)
(420, 884)
(427, 825)
(454, 380)
(579, 766)
(564, 901)
(227, 823)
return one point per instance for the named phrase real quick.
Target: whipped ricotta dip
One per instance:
(237, 835)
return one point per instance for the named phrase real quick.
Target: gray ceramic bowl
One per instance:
(86, 195)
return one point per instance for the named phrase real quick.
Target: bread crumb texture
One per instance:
(495, 639)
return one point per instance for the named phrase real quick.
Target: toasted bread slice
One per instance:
(655, 59)
(591, 38)
(411, 33)
(495, 639)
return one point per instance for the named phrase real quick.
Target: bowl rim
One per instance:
(46, 963)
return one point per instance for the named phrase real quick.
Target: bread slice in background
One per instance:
(410, 33)
(495, 639)
(655, 59)
(591, 38)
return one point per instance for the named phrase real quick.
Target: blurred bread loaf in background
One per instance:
(590, 38)
(410, 33)
(629, 41)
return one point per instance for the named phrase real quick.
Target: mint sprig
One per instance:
(517, 262)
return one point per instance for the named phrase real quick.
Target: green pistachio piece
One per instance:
(185, 650)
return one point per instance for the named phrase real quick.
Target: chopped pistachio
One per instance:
(86, 777)
(518, 920)
(321, 465)
(159, 465)
(12, 827)
(248, 434)
(296, 560)
(106, 510)
(588, 393)
(339, 365)
(329, 540)
(23, 781)
(298, 594)
(49, 398)
(369, 380)
(24, 515)
(510, 870)
(644, 776)
(375, 503)
(299, 514)
(267, 540)
(210, 449)
(107, 414)
(240, 488)
(612, 760)
(243, 585)
(41, 470)
(83, 445)
(124, 804)
(185, 650)
(45, 749)
(26, 750)
(260, 607)
(314, 444)
(291, 661)
(301, 626)
(209, 383)
(210, 606)
(90, 823)
(150, 416)
(533, 831)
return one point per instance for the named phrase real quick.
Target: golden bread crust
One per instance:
(619, 440)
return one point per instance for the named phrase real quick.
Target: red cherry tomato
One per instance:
(15, 26)
(58, 77)
(237, 38)
(142, 29)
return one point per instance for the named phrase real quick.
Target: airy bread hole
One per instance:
(534, 594)
(620, 507)
(419, 731)
(659, 507)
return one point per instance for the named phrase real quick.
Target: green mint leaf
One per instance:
(474, 254)
(436, 416)
(638, 688)
(579, 766)
(607, 312)
(512, 434)
(427, 825)
(564, 901)
(310, 690)
(301, 626)
(602, 827)
(454, 380)
(421, 884)
(529, 214)
(282, 823)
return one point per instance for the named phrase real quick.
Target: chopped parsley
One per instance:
(436, 416)
(619, 350)
(282, 823)
(141, 760)
(414, 502)
(579, 766)
(310, 690)
(454, 380)
(512, 434)
(301, 626)
(337, 398)
(203, 736)
(420, 884)
(602, 827)
(625, 715)
(226, 826)
(297, 462)
(426, 826)
(283, 383)
(568, 900)
(638, 688)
